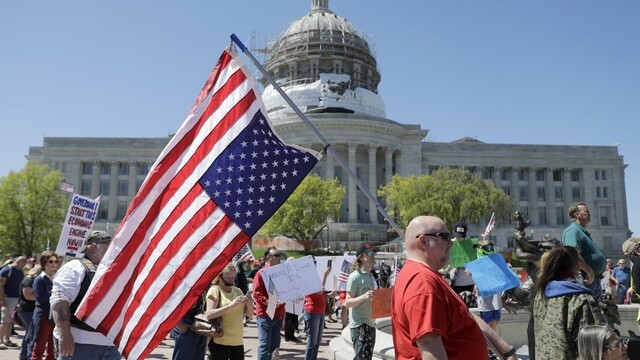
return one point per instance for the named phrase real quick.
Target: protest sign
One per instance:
(295, 306)
(335, 262)
(462, 252)
(381, 303)
(294, 279)
(77, 225)
(492, 275)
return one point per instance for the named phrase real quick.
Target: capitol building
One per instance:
(329, 70)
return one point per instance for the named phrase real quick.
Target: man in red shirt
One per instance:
(268, 328)
(429, 320)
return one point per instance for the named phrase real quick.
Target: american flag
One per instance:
(244, 254)
(220, 178)
(397, 266)
(490, 225)
(272, 301)
(345, 269)
(68, 187)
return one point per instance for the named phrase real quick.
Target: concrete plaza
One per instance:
(288, 350)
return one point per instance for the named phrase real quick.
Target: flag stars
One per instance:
(255, 142)
(219, 170)
(236, 214)
(272, 199)
(227, 192)
(284, 174)
(263, 177)
(240, 179)
(264, 165)
(273, 187)
(238, 203)
(250, 202)
(262, 188)
(229, 180)
(260, 212)
(295, 160)
(243, 156)
(229, 168)
(276, 151)
(252, 178)
(283, 186)
(248, 213)
(243, 144)
(232, 156)
(266, 141)
(253, 166)
(239, 191)
(265, 153)
(250, 190)
(247, 225)
(207, 183)
(285, 162)
(260, 200)
(274, 175)
(294, 173)
(306, 159)
(254, 154)
(274, 163)
(227, 204)
(218, 182)
(216, 194)
(255, 131)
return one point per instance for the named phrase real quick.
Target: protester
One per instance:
(268, 327)
(227, 301)
(41, 329)
(562, 306)
(461, 279)
(621, 276)
(189, 345)
(607, 284)
(360, 286)
(314, 311)
(11, 277)
(600, 342)
(385, 274)
(593, 262)
(429, 320)
(77, 340)
(26, 306)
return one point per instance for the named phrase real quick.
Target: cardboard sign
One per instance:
(492, 275)
(462, 252)
(77, 225)
(294, 279)
(381, 303)
(335, 262)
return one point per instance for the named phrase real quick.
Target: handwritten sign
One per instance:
(295, 307)
(294, 279)
(381, 303)
(77, 225)
(335, 262)
(462, 252)
(492, 275)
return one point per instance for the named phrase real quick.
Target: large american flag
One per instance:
(490, 226)
(220, 178)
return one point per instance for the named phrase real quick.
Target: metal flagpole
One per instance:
(326, 144)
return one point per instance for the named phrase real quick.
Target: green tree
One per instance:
(32, 210)
(303, 216)
(451, 194)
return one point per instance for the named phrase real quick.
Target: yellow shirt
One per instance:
(232, 324)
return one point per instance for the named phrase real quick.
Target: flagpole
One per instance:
(326, 144)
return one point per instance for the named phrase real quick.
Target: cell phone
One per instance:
(329, 262)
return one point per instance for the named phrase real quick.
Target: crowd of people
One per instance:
(429, 315)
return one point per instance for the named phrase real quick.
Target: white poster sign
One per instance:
(77, 225)
(335, 262)
(294, 279)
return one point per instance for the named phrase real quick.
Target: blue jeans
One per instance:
(93, 352)
(188, 345)
(314, 325)
(363, 338)
(26, 320)
(268, 336)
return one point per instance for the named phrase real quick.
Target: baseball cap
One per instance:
(95, 237)
(460, 230)
(364, 248)
(630, 245)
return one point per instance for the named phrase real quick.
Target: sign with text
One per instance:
(294, 279)
(462, 252)
(334, 262)
(77, 225)
(381, 303)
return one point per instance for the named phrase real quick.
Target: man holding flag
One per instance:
(220, 178)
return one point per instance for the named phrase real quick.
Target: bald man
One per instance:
(441, 326)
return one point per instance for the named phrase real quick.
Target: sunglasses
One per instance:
(276, 255)
(440, 235)
(622, 343)
(52, 261)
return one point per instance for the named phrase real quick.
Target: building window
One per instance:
(143, 169)
(105, 169)
(124, 169)
(523, 193)
(575, 175)
(600, 174)
(541, 193)
(122, 210)
(87, 168)
(559, 215)
(103, 210)
(85, 189)
(558, 192)
(605, 215)
(557, 175)
(123, 188)
(487, 173)
(542, 215)
(105, 185)
(575, 193)
(505, 174)
(522, 174)
(605, 192)
(540, 175)
(607, 243)
(506, 190)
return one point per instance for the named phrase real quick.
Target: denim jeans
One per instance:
(268, 336)
(595, 287)
(188, 345)
(363, 338)
(26, 319)
(93, 352)
(314, 325)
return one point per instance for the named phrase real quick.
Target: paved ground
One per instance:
(288, 350)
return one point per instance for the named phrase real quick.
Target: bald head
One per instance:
(421, 225)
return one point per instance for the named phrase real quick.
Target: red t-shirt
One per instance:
(423, 302)
(315, 303)
(260, 297)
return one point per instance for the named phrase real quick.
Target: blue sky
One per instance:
(531, 72)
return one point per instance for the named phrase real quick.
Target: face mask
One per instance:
(230, 283)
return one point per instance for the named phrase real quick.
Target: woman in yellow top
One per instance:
(233, 304)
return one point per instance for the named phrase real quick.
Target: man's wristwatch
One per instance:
(509, 353)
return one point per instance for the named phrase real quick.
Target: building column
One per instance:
(373, 212)
(515, 187)
(95, 180)
(329, 172)
(352, 190)
(533, 197)
(551, 197)
(567, 195)
(113, 190)
(133, 183)
(388, 164)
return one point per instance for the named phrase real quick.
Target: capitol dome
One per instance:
(325, 65)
